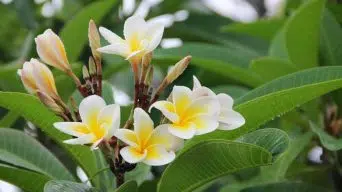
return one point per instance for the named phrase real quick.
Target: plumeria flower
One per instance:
(228, 118)
(50, 49)
(140, 38)
(189, 115)
(151, 146)
(38, 77)
(99, 122)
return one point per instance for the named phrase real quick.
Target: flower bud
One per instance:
(149, 76)
(38, 77)
(146, 60)
(49, 102)
(178, 69)
(85, 72)
(92, 66)
(94, 41)
(51, 50)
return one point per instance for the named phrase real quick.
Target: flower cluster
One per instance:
(186, 112)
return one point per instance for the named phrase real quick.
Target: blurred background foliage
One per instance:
(236, 47)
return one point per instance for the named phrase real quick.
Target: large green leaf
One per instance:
(287, 186)
(130, 186)
(274, 140)
(210, 160)
(233, 90)
(269, 68)
(22, 150)
(75, 33)
(299, 39)
(276, 172)
(264, 29)
(229, 62)
(67, 186)
(9, 119)
(26, 180)
(328, 141)
(32, 110)
(278, 97)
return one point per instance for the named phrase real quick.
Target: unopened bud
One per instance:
(92, 67)
(178, 69)
(85, 72)
(149, 76)
(146, 60)
(94, 41)
(49, 102)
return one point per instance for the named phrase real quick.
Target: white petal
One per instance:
(109, 118)
(185, 132)
(181, 98)
(154, 35)
(143, 125)
(90, 108)
(162, 136)
(225, 100)
(84, 139)
(131, 155)
(127, 136)
(134, 54)
(72, 128)
(111, 37)
(230, 119)
(203, 106)
(134, 25)
(167, 108)
(205, 124)
(157, 155)
(117, 49)
(202, 91)
(197, 83)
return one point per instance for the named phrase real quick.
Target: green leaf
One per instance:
(269, 68)
(210, 160)
(9, 119)
(279, 97)
(265, 29)
(229, 62)
(328, 141)
(75, 33)
(32, 110)
(299, 39)
(67, 186)
(274, 140)
(25, 13)
(26, 180)
(22, 150)
(129, 186)
(287, 186)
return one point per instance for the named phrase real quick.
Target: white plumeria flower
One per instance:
(140, 38)
(151, 146)
(99, 122)
(190, 115)
(228, 118)
(37, 77)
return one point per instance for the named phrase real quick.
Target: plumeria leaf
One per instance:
(67, 186)
(265, 29)
(298, 41)
(279, 97)
(130, 186)
(230, 62)
(269, 68)
(210, 160)
(32, 110)
(75, 42)
(233, 90)
(274, 140)
(23, 151)
(287, 186)
(25, 179)
(328, 141)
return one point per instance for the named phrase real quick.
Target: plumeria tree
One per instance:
(249, 106)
